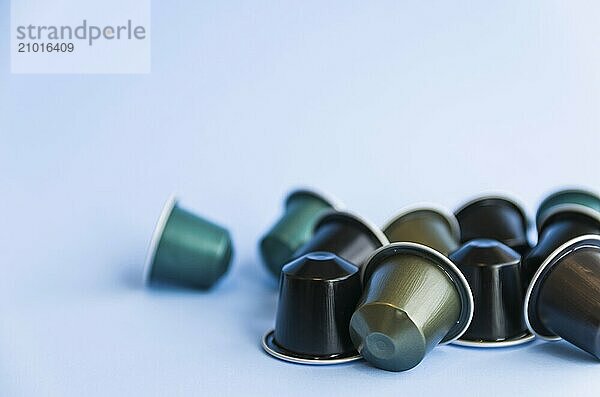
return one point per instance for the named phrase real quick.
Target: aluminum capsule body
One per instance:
(431, 226)
(318, 293)
(413, 299)
(496, 218)
(188, 250)
(345, 234)
(563, 300)
(493, 271)
(572, 200)
(294, 228)
(555, 231)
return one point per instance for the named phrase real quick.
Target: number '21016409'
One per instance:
(46, 47)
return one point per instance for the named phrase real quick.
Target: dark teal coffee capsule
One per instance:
(568, 200)
(187, 250)
(303, 208)
(561, 217)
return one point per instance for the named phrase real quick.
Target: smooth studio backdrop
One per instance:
(381, 103)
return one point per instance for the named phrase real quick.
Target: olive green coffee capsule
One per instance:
(303, 208)
(187, 250)
(429, 225)
(414, 298)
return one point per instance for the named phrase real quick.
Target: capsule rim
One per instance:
(157, 234)
(509, 342)
(270, 346)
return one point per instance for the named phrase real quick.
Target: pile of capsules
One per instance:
(350, 290)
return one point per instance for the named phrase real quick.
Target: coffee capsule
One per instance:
(563, 299)
(561, 217)
(317, 294)
(428, 225)
(345, 234)
(568, 200)
(414, 298)
(497, 218)
(493, 271)
(303, 208)
(187, 250)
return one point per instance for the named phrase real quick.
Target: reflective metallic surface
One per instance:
(430, 226)
(493, 270)
(496, 218)
(187, 250)
(317, 296)
(557, 230)
(572, 200)
(295, 227)
(271, 347)
(563, 300)
(414, 298)
(346, 235)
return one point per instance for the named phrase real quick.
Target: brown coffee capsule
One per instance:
(494, 217)
(563, 299)
(345, 234)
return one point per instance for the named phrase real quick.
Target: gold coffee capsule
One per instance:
(428, 225)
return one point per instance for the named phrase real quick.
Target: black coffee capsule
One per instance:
(563, 299)
(429, 225)
(497, 218)
(561, 217)
(493, 270)
(303, 208)
(345, 234)
(317, 294)
(414, 299)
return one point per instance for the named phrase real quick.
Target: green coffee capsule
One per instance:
(568, 200)
(561, 217)
(303, 208)
(187, 250)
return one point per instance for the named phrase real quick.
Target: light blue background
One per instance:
(380, 103)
